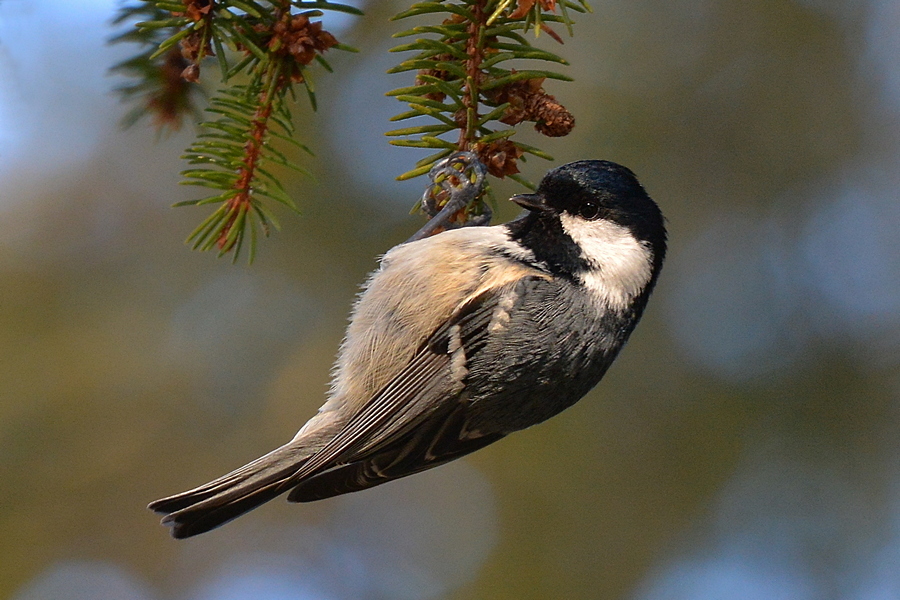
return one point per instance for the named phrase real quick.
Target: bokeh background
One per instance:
(745, 446)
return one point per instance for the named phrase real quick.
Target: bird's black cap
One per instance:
(615, 191)
(591, 189)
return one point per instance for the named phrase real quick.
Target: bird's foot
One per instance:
(452, 197)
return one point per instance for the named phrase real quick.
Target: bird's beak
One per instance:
(533, 202)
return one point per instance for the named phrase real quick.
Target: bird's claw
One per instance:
(456, 182)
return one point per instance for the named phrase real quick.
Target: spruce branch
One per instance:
(269, 47)
(463, 83)
(263, 50)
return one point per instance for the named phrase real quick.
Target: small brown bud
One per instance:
(461, 118)
(499, 157)
(191, 73)
(529, 102)
(191, 46)
(523, 6)
(437, 74)
(551, 118)
(196, 10)
(298, 37)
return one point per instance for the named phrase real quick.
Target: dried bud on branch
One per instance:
(299, 37)
(524, 6)
(193, 48)
(529, 102)
(499, 157)
(195, 10)
(196, 45)
(551, 118)
(437, 74)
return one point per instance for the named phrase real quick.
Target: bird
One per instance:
(461, 338)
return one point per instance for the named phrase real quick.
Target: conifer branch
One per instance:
(270, 45)
(460, 70)
(263, 49)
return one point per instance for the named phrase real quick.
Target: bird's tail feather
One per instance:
(228, 497)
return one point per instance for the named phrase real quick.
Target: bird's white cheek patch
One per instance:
(622, 264)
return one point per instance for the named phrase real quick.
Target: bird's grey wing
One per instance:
(431, 444)
(418, 420)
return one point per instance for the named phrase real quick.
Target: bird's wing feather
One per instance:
(432, 444)
(418, 420)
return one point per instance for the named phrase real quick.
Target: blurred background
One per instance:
(744, 446)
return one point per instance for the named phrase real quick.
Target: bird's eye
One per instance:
(589, 211)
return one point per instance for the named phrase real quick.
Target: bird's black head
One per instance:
(585, 199)
(598, 189)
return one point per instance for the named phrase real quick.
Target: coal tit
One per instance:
(462, 338)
